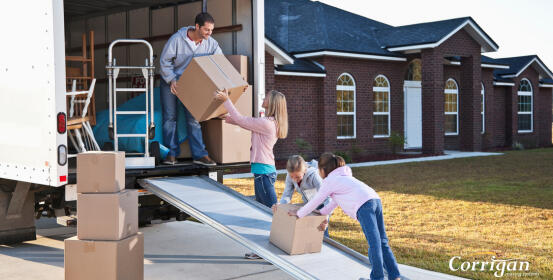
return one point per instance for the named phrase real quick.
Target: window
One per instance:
(345, 101)
(451, 109)
(381, 109)
(483, 110)
(525, 104)
(414, 71)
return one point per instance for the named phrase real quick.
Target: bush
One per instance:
(344, 155)
(304, 147)
(397, 141)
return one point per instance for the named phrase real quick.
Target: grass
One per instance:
(499, 205)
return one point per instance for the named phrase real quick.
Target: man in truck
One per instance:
(187, 43)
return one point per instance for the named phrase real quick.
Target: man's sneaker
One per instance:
(205, 161)
(252, 256)
(170, 160)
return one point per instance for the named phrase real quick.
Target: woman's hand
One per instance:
(222, 95)
(323, 225)
(274, 208)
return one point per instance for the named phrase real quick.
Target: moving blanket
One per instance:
(136, 124)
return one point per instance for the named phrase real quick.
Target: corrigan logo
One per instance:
(499, 267)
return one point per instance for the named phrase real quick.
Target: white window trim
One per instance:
(384, 89)
(531, 113)
(483, 93)
(456, 92)
(350, 55)
(341, 87)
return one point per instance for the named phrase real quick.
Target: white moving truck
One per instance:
(37, 36)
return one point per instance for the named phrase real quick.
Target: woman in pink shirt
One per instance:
(358, 201)
(265, 132)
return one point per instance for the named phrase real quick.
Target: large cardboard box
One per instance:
(106, 260)
(198, 85)
(244, 105)
(226, 143)
(100, 172)
(296, 236)
(107, 216)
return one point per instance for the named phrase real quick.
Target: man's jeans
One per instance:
(381, 257)
(169, 103)
(264, 186)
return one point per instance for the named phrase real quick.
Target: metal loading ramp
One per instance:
(249, 223)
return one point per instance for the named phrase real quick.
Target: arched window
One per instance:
(525, 107)
(483, 109)
(345, 101)
(451, 109)
(414, 71)
(381, 109)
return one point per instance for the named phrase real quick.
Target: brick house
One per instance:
(351, 82)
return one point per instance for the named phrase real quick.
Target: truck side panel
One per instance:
(32, 92)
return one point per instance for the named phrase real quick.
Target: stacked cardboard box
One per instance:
(296, 236)
(108, 244)
(227, 143)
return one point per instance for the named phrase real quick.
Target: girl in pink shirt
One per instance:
(358, 201)
(265, 132)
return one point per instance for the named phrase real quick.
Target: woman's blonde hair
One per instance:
(277, 109)
(296, 163)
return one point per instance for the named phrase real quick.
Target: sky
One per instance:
(522, 27)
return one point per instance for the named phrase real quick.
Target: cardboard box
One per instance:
(296, 236)
(107, 216)
(185, 150)
(106, 260)
(100, 172)
(200, 81)
(240, 63)
(226, 143)
(244, 105)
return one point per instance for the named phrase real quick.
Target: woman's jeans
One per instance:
(264, 185)
(169, 103)
(381, 257)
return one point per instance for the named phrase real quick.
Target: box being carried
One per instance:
(198, 85)
(296, 236)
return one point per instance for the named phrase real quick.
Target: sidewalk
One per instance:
(448, 155)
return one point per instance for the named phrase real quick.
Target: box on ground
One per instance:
(107, 216)
(296, 236)
(226, 143)
(100, 172)
(244, 105)
(200, 81)
(106, 260)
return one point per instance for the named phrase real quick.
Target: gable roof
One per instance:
(301, 66)
(302, 26)
(432, 34)
(518, 64)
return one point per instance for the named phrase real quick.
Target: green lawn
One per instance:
(471, 207)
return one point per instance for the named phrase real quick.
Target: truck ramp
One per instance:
(249, 223)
